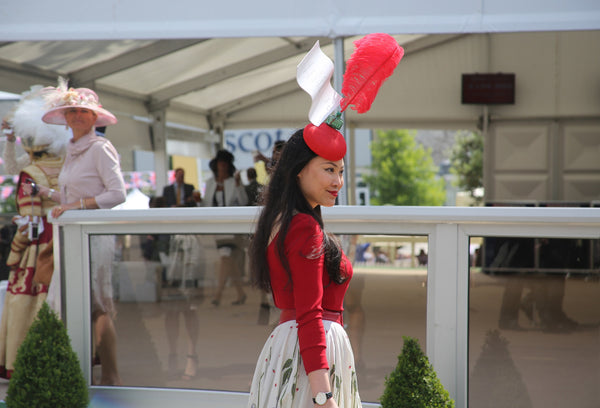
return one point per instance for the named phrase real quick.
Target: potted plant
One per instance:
(47, 371)
(414, 383)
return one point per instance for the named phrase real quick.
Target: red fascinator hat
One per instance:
(374, 59)
(326, 140)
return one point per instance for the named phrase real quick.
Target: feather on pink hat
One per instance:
(61, 98)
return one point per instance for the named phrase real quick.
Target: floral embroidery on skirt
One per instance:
(280, 380)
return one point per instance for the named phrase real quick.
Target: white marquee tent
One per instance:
(187, 69)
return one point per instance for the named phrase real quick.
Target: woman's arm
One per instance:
(13, 164)
(105, 161)
(303, 251)
(240, 191)
(209, 193)
(319, 382)
(108, 167)
(303, 247)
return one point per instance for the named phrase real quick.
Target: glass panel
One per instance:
(534, 313)
(387, 299)
(163, 291)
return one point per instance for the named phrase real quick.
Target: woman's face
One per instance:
(80, 119)
(223, 168)
(321, 180)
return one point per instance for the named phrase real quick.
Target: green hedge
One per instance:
(414, 383)
(47, 372)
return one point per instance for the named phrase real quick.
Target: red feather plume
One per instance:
(373, 60)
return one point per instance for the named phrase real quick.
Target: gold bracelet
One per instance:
(50, 192)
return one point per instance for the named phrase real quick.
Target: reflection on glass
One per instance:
(186, 316)
(104, 337)
(534, 313)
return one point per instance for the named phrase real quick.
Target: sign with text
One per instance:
(488, 89)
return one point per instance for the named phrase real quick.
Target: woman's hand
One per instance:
(8, 131)
(329, 404)
(27, 188)
(59, 209)
(319, 382)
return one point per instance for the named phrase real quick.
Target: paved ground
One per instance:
(3, 388)
(536, 366)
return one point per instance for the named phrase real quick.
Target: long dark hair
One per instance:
(282, 200)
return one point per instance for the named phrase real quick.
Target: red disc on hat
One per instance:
(325, 141)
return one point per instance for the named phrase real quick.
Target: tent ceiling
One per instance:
(232, 64)
(211, 77)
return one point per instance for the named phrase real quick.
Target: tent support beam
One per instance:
(339, 67)
(220, 74)
(86, 76)
(158, 130)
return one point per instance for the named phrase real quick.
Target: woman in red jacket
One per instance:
(307, 360)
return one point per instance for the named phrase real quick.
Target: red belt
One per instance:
(290, 314)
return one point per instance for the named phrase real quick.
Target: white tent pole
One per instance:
(161, 159)
(338, 77)
(351, 165)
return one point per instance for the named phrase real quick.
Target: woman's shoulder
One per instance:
(304, 222)
(99, 141)
(100, 145)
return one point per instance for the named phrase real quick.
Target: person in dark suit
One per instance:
(179, 194)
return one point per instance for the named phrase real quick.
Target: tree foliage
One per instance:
(466, 161)
(403, 171)
(47, 372)
(414, 383)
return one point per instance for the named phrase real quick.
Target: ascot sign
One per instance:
(248, 141)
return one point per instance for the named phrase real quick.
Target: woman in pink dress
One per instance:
(91, 178)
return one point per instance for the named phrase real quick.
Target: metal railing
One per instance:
(448, 230)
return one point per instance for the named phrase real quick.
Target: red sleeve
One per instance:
(306, 260)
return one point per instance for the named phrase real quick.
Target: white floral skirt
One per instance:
(280, 380)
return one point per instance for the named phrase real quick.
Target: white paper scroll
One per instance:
(314, 74)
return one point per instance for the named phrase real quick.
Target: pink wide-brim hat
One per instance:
(61, 99)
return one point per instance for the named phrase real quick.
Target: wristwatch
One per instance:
(322, 397)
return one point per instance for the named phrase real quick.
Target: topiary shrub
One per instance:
(414, 383)
(47, 372)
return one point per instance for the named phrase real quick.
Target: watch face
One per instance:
(321, 398)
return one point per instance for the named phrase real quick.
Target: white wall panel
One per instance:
(581, 187)
(511, 187)
(581, 148)
(520, 148)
